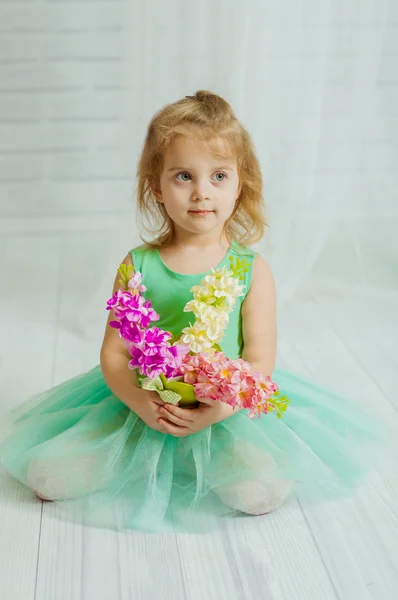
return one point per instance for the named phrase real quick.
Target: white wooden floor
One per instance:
(349, 552)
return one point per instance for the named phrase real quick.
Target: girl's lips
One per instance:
(201, 212)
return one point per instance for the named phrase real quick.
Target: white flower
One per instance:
(228, 286)
(207, 312)
(214, 298)
(196, 337)
(212, 315)
(214, 332)
(221, 288)
(195, 306)
(204, 293)
(218, 274)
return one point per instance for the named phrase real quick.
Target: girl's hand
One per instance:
(181, 422)
(148, 409)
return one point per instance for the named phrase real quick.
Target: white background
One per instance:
(316, 84)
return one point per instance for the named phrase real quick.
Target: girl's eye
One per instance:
(184, 176)
(220, 176)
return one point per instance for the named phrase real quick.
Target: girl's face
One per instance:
(197, 189)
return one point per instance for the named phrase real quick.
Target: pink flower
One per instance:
(135, 284)
(206, 389)
(258, 408)
(216, 377)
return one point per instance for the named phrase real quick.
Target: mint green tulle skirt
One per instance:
(80, 446)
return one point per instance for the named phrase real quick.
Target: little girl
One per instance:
(101, 443)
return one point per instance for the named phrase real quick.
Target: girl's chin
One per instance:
(195, 226)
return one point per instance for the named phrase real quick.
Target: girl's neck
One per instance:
(192, 255)
(202, 242)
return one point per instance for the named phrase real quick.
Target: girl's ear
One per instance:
(157, 193)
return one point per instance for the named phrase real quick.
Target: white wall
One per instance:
(363, 247)
(79, 81)
(66, 126)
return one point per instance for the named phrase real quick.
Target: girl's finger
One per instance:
(182, 413)
(158, 401)
(169, 416)
(173, 429)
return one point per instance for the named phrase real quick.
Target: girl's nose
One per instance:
(201, 191)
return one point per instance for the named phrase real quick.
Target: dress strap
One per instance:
(241, 259)
(137, 255)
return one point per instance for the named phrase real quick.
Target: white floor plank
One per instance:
(20, 521)
(60, 563)
(150, 567)
(30, 274)
(276, 556)
(358, 538)
(207, 568)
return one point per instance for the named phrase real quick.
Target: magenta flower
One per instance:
(130, 332)
(140, 311)
(133, 308)
(153, 355)
(155, 337)
(150, 349)
(152, 365)
(114, 301)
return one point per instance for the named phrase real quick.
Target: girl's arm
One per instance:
(259, 319)
(114, 360)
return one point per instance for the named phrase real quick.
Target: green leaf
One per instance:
(280, 404)
(126, 272)
(239, 266)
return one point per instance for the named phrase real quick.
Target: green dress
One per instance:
(78, 445)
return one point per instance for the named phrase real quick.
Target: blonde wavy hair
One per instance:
(207, 118)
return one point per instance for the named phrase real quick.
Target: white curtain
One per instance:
(313, 81)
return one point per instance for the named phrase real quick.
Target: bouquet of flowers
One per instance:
(192, 366)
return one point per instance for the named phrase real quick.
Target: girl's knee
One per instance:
(61, 479)
(45, 481)
(255, 497)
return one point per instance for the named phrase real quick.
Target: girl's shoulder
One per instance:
(141, 249)
(140, 253)
(240, 250)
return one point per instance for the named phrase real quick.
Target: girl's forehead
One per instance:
(185, 147)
